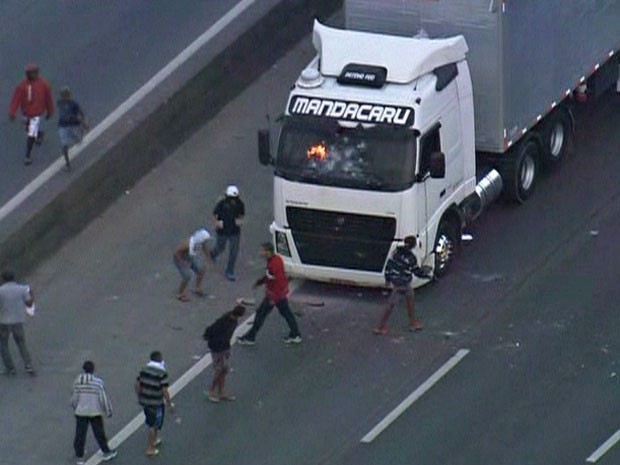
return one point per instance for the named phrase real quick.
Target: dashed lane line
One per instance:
(604, 448)
(186, 378)
(414, 396)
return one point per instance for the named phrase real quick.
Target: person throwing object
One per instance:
(276, 294)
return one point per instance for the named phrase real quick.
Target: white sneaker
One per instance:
(292, 340)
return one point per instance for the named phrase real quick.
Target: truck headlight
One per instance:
(282, 244)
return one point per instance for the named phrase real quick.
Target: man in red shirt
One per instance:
(33, 96)
(276, 293)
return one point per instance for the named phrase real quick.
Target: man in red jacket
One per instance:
(33, 96)
(276, 293)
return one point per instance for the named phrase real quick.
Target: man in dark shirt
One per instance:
(399, 272)
(218, 337)
(228, 215)
(276, 294)
(71, 123)
(152, 390)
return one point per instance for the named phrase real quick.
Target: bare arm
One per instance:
(182, 249)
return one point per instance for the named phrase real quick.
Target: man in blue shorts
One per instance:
(71, 123)
(152, 390)
(188, 258)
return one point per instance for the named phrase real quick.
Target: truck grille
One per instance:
(341, 240)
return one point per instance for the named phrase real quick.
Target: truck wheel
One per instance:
(555, 136)
(520, 171)
(447, 244)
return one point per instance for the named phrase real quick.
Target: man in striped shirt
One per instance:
(90, 402)
(152, 391)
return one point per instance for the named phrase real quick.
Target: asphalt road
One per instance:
(104, 51)
(534, 298)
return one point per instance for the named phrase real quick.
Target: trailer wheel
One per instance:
(555, 135)
(520, 171)
(447, 244)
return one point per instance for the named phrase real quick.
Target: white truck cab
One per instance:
(374, 147)
(385, 128)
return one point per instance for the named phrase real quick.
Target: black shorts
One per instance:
(154, 416)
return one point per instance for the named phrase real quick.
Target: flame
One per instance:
(317, 151)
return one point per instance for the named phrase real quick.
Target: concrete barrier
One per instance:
(147, 134)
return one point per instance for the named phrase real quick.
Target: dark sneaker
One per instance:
(231, 277)
(30, 370)
(28, 161)
(109, 455)
(39, 139)
(292, 340)
(11, 372)
(246, 341)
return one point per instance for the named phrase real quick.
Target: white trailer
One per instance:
(379, 137)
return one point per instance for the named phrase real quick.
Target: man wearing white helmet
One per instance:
(228, 215)
(188, 259)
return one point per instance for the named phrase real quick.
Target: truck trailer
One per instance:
(417, 114)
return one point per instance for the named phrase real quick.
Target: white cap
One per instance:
(232, 191)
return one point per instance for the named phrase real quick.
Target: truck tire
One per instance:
(520, 170)
(555, 136)
(447, 245)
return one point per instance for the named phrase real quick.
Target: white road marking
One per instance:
(415, 395)
(598, 453)
(127, 105)
(186, 378)
(176, 387)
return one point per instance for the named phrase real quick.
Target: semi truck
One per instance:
(417, 114)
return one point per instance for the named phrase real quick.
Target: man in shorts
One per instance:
(152, 390)
(33, 96)
(399, 272)
(71, 123)
(218, 337)
(189, 257)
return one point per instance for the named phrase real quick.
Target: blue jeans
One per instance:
(233, 250)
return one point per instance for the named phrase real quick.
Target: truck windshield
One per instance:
(322, 151)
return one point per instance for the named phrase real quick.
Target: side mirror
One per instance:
(438, 165)
(264, 147)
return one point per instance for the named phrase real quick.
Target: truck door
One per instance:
(433, 190)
